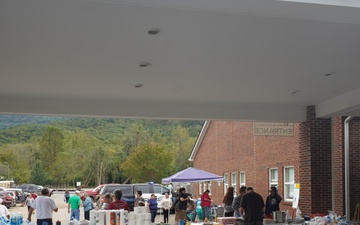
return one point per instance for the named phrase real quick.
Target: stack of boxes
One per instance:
(140, 216)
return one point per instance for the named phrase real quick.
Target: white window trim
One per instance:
(200, 188)
(244, 183)
(288, 183)
(271, 184)
(209, 186)
(226, 182)
(233, 184)
(204, 186)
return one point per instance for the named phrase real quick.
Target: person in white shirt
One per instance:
(3, 210)
(166, 204)
(45, 206)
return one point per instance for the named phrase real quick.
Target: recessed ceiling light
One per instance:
(138, 85)
(329, 74)
(153, 31)
(144, 64)
(295, 92)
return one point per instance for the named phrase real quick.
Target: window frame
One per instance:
(204, 187)
(233, 175)
(240, 180)
(226, 181)
(287, 194)
(271, 183)
(200, 188)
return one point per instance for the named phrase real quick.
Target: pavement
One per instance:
(63, 214)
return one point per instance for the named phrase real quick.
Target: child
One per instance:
(107, 200)
(28, 201)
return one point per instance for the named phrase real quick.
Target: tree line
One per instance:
(96, 150)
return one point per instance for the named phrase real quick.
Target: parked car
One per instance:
(129, 191)
(13, 196)
(7, 199)
(94, 193)
(32, 188)
(20, 198)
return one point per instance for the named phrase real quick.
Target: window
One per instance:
(289, 183)
(209, 186)
(158, 189)
(242, 179)
(226, 182)
(200, 188)
(233, 180)
(143, 188)
(273, 178)
(204, 187)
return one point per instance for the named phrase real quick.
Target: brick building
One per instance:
(310, 154)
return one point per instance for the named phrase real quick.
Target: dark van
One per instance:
(129, 190)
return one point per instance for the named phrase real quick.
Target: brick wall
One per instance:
(315, 164)
(231, 147)
(338, 162)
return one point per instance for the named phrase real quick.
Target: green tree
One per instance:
(20, 158)
(148, 162)
(38, 174)
(136, 136)
(50, 145)
(182, 147)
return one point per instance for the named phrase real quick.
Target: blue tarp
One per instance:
(192, 175)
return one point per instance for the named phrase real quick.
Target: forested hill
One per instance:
(63, 150)
(7, 121)
(21, 128)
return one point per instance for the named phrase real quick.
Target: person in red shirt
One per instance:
(206, 204)
(118, 203)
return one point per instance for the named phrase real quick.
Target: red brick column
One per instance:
(339, 169)
(315, 164)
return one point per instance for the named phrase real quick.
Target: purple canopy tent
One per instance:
(192, 175)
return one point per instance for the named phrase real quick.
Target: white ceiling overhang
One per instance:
(213, 59)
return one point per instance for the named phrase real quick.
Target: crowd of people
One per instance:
(247, 204)
(113, 202)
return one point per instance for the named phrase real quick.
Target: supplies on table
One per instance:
(140, 216)
(279, 216)
(227, 220)
(4, 221)
(16, 218)
(330, 219)
(109, 217)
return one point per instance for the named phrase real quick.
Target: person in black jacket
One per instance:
(272, 202)
(180, 209)
(252, 208)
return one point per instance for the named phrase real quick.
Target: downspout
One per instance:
(347, 194)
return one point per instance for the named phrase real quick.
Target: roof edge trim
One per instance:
(199, 140)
